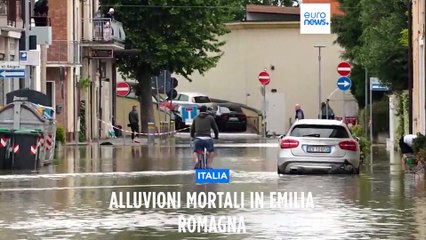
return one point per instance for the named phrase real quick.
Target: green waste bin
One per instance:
(5, 141)
(25, 149)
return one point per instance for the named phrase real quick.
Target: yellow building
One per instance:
(292, 61)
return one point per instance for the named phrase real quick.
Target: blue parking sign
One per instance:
(189, 113)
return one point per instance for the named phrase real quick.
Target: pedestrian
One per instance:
(326, 111)
(110, 14)
(134, 123)
(299, 112)
(405, 145)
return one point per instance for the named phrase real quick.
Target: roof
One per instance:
(319, 122)
(193, 94)
(272, 9)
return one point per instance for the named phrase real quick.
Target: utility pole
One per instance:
(366, 102)
(28, 82)
(319, 78)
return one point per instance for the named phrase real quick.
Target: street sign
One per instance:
(102, 53)
(344, 68)
(344, 83)
(23, 56)
(377, 86)
(264, 78)
(123, 89)
(31, 58)
(189, 113)
(12, 73)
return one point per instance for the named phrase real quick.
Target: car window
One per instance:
(224, 110)
(202, 99)
(321, 131)
(235, 109)
(184, 98)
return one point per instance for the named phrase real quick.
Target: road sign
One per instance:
(377, 86)
(123, 89)
(23, 56)
(344, 83)
(189, 113)
(344, 68)
(12, 73)
(31, 58)
(264, 78)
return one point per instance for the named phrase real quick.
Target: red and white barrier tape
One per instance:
(144, 134)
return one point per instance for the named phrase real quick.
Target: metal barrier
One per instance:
(103, 30)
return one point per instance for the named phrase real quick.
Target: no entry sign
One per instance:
(123, 89)
(344, 68)
(264, 78)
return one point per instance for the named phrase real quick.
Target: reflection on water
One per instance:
(70, 199)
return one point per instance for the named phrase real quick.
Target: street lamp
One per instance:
(319, 77)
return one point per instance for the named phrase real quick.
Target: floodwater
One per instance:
(70, 199)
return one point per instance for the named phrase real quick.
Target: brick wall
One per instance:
(58, 18)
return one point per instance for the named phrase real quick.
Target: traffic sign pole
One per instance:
(122, 90)
(264, 79)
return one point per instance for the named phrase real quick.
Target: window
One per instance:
(224, 110)
(50, 92)
(3, 7)
(235, 109)
(202, 99)
(320, 131)
(184, 98)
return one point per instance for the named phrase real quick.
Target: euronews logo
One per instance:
(315, 18)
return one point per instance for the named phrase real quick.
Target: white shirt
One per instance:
(408, 139)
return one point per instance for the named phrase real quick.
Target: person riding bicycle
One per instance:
(201, 134)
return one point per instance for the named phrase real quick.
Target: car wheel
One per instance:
(244, 128)
(279, 171)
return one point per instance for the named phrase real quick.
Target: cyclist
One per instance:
(201, 134)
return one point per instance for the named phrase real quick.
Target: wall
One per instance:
(251, 47)
(418, 104)
(124, 106)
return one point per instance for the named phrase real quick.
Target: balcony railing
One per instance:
(64, 52)
(103, 30)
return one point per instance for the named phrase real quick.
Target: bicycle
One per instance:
(201, 156)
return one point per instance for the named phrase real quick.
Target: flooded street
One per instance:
(70, 200)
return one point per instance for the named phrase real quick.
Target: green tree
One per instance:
(370, 33)
(181, 36)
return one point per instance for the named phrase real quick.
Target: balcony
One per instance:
(103, 33)
(63, 52)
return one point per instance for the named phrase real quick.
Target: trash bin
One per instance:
(5, 139)
(25, 149)
(118, 130)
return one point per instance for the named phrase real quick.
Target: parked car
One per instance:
(192, 98)
(317, 145)
(229, 117)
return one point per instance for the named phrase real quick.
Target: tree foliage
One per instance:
(181, 36)
(370, 33)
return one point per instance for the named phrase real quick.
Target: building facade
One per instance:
(419, 87)
(80, 67)
(10, 32)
